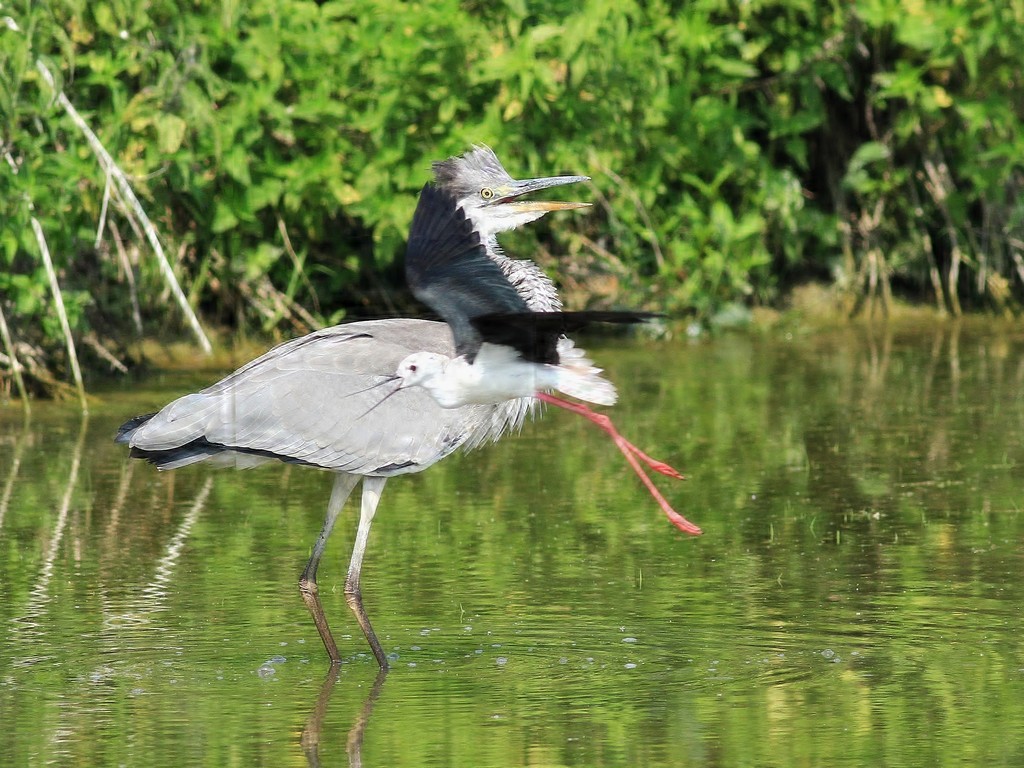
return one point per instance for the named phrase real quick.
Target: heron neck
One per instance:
(536, 288)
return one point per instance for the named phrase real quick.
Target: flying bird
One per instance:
(503, 350)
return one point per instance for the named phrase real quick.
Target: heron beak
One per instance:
(545, 206)
(510, 194)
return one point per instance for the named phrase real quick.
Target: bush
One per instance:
(736, 149)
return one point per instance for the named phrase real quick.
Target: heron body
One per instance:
(301, 403)
(321, 400)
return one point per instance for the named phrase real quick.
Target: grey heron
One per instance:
(301, 401)
(503, 349)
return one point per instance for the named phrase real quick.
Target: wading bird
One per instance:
(503, 349)
(304, 401)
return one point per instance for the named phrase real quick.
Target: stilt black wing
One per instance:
(535, 334)
(448, 269)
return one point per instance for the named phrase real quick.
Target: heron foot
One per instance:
(311, 597)
(354, 598)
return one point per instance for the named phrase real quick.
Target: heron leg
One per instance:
(631, 452)
(372, 487)
(343, 485)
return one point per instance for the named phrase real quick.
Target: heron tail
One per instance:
(126, 430)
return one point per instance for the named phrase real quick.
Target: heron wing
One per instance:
(326, 400)
(448, 269)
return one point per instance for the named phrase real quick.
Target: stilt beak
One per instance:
(383, 381)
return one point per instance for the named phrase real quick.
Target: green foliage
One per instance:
(735, 148)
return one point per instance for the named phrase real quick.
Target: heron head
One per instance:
(490, 196)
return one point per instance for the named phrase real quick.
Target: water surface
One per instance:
(856, 598)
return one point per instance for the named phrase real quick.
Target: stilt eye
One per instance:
(412, 367)
(486, 193)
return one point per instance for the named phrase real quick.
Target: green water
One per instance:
(856, 598)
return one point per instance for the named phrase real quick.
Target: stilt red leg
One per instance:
(631, 452)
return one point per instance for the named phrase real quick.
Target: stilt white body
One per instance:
(499, 374)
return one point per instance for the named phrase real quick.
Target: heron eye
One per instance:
(486, 193)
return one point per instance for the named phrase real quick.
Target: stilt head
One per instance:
(420, 369)
(439, 375)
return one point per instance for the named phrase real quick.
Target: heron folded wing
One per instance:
(320, 400)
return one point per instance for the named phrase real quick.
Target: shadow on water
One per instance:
(857, 584)
(310, 739)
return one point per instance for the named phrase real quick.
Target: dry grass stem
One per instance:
(58, 301)
(128, 195)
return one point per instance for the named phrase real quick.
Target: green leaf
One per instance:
(223, 218)
(170, 131)
(736, 68)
